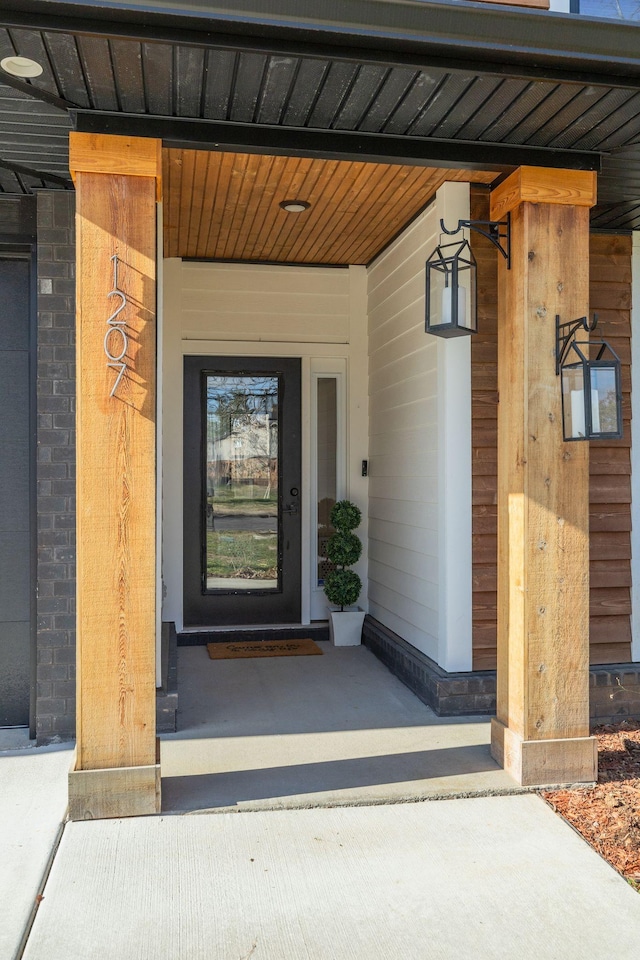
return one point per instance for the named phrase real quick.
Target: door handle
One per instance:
(290, 508)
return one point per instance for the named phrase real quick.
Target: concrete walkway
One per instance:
(473, 879)
(33, 805)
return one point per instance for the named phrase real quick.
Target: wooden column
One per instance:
(541, 732)
(115, 772)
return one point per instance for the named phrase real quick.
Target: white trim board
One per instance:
(159, 369)
(455, 646)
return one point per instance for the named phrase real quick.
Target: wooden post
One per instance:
(116, 771)
(541, 732)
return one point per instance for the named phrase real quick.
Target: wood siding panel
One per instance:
(484, 434)
(610, 464)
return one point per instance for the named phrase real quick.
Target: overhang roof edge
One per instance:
(475, 30)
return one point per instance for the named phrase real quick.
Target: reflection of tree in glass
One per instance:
(608, 412)
(611, 9)
(242, 433)
(233, 400)
(605, 9)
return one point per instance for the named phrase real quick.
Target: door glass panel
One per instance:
(241, 489)
(326, 458)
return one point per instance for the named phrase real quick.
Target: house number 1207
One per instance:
(116, 341)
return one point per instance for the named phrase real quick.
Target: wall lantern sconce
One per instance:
(591, 384)
(451, 301)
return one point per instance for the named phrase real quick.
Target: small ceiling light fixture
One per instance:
(294, 206)
(22, 67)
(590, 384)
(451, 303)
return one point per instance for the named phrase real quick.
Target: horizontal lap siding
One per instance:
(610, 464)
(403, 454)
(484, 439)
(269, 303)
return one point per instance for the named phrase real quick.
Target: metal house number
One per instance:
(116, 341)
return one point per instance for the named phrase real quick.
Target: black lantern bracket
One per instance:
(564, 333)
(497, 231)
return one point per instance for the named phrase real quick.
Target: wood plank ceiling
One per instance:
(225, 206)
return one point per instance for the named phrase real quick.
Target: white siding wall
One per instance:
(419, 448)
(267, 303)
(403, 442)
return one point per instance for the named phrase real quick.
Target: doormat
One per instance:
(263, 648)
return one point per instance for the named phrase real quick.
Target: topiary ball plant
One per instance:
(342, 587)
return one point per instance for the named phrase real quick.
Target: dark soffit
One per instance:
(328, 83)
(519, 37)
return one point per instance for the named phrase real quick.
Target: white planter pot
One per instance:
(345, 627)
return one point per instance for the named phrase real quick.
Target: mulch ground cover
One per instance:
(608, 815)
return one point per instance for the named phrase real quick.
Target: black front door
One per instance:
(241, 490)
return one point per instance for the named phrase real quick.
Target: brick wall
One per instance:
(55, 703)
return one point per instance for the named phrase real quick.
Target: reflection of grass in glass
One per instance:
(244, 508)
(225, 503)
(243, 554)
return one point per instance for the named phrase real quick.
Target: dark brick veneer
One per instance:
(614, 688)
(56, 571)
(448, 694)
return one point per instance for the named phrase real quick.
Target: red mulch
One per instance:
(608, 815)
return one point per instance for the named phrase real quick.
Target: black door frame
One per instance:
(234, 606)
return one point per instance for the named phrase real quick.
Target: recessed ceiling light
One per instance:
(21, 67)
(295, 206)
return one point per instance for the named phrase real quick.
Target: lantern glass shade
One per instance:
(451, 309)
(591, 394)
(573, 405)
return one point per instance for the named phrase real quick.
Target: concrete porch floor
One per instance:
(292, 732)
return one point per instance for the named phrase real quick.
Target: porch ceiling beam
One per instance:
(330, 144)
(584, 51)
